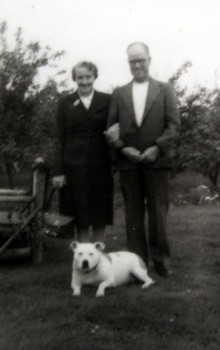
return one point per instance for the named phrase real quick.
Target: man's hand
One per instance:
(59, 181)
(150, 154)
(132, 154)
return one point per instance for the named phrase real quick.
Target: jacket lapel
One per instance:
(153, 91)
(94, 102)
(128, 101)
(76, 102)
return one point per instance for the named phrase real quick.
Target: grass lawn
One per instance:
(181, 312)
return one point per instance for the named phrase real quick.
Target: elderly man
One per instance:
(144, 115)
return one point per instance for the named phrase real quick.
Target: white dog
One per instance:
(92, 266)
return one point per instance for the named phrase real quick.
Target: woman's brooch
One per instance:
(76, 103)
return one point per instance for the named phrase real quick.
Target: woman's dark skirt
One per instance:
(90, 194)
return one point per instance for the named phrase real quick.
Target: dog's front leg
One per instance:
(101, 288)
(76, 285)
(76, 290)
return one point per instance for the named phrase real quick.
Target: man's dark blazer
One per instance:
(160, 124)
(80, 131)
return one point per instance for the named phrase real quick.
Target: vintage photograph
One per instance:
(109, 175)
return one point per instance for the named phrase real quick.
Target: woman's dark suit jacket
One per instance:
(83, 156)
(80, 132)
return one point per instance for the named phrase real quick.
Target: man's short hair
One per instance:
(139, 43)
(89, 65)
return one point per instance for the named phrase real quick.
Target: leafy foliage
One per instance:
(26, 109)
(199, 146)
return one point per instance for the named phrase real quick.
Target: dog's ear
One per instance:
(100, 245)
(73, 245)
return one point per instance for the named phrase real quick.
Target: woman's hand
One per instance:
(59, 181)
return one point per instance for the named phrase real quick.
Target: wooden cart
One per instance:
(21, 220)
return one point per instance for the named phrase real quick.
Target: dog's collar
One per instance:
(92, 269)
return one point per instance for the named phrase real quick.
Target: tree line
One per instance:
(27, 112)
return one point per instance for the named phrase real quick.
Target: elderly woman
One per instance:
(83, 162)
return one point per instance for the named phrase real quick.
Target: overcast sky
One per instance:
(100, 30)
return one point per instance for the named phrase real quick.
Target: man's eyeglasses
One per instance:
(140, 61)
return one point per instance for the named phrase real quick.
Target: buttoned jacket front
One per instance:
(80, 131)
